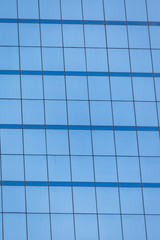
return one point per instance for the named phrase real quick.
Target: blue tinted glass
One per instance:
(123, 113)
(108, 200)
(103, 142)
(61, 200)
(124, 139)
(7, 30)
(57, 142)
(8, 9)
(51, 35)
(77, 88)
(110, 227)
(155, 36)
(99, 88)
(30, 58)
(62, 226)
(158, 106)
(153, 230)
(151, 200)
(70, 30)
(97, 60)
(56, 172)
(114, 10)
(33, 111)
(49, 9)
(32, 87)
(95, 36)
(34, 141)
(52, 59)
(78, 113)
(146, 114)
(132, 222)
(116, 36)
(101, 113)
(9, 58)
(28, 9)
(82, 168)
(55, 112)
(128, 169)
(8, 110)
(35, 168)
(156, 60)
(14, 226)
(86, 227)
(80, 142)
(121, 88)
(141, 61)
(105, 169)
(38, 226)
(9, 86)
(93, 11)
(153, 10)
(13, 199)
(143, 89)
(119, 60)
(74, 59)
(149, 143)
(157, 86)
(12, 168)
(84, 200)
(150, 169)
(37, 199)
(71, 9)
(54, 87)
(136, 10)
(138, 37)
(28, 30)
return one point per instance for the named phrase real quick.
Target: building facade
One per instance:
(79, 119)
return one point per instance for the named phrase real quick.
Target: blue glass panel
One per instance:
(153, 230)
(93, 11)
(114, 10)
(61, 200)
(7, 30)
(123, 113)
(8, 110)
(150, 169)
(9, 58)
(117, 36)
(54, 87)
(128, 169)
(156, 60)
(28, 9)
(86, 227)
(101, 113)
(37, 199)
(32, 87)
(138, 36)
(103, 142)
(155, 36)
(27, 38)
(55, 112)
(124, 139)
(34, 141)
(33, 111)
(9, 86)
(13, 199)
(141, 61)
(121, 88)
(14, 226)
(153, 10)
(51, 35)
(70, 30)
(136, 10)
(62, 226)
(38, 226)
(84, 200)
(74, 59)
(82, 169)
(8, 9)
(30, 58)
(80, 142)
(77, 88)
(56, 171)
(105, 169)
(12, 168)
(132, 222)
(157, 86)
(35, 168)
(52, 59)
(97, 60)
(49, 9)
(95, 36)
(151, 200)
(71, 9)
(110, 227)
(107, 200)
(57, 142)
(99, 88)
(143, 89)
(78, 113)
(119, 60)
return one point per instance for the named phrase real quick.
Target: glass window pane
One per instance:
(93, 11)
(123, 113)
(30, 58)
(54, 87)
(138, 37)
(153, 230)
(119, 60)
(153, 10)
(101, 113)
(49, 9)
(28, 9)
(33, 111)
(95, 36)
(73, 35)
(97, 60)
(71, 9)
(9, 86)
(7, 30)
(151, 200)
(29, 34)
(52, 59)
(141, 61)
(51, 35)
(77, 87)
(114, 10)
(136, 10)
(156, 60)
(8, 110)
(78, 113)
(155, 36)
(9, 58)
(121, 88)
(74, 59)
(116, 36)
(143, 89)
(8, 9)
(157, 86)
(150, 169)
(32, 87)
